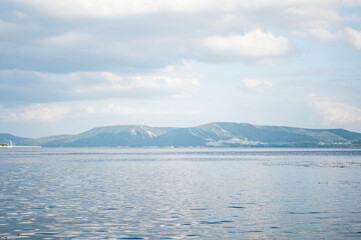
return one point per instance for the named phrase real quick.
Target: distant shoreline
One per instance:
(218, 134)
(20, 147)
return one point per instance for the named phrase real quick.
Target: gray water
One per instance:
(111, 193)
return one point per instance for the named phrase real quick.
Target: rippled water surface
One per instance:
(110, 193)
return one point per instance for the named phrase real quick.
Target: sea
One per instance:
(180, 193)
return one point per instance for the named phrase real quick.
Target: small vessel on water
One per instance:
(11, 145)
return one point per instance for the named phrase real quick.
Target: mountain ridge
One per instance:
(215, 134)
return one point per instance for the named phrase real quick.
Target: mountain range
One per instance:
(219, 134)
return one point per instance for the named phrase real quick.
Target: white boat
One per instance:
(11, 144)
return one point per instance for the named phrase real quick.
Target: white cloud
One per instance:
(113, 78)
(153, 33)
(19, 14)
(159, 82)
(347, 34)
(35, 113)
(256, 85)
(121, 8)
(311, 16)
(299, 3)
(254, 44)
(353, 37)
(323, 34)
(89, 109)
(34, 87)
(168, 112)
(336, 112)
(70, 39)
(351, 18)
(229, 18)
(112, 109)
(174, 80)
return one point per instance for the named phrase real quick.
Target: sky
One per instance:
(67, 66)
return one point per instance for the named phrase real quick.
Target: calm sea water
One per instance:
(111, 193)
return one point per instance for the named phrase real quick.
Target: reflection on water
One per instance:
(110, 193)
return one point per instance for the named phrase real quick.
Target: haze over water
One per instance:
(111, 193)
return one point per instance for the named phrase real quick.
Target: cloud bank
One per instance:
(34, 113)
(118, 61)
(336, 112)
(256, 85)
(253, 44)
(113, 35)
(122, 8)
(24, 87)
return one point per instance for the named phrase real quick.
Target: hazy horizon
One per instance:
(69, 66)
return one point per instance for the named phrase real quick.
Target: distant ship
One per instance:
(11, 144)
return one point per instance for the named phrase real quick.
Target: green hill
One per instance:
(219, 134)
(6, 138)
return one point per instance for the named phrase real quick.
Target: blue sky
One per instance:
(70, 65)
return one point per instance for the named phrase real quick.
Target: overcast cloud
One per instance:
(223, 60)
